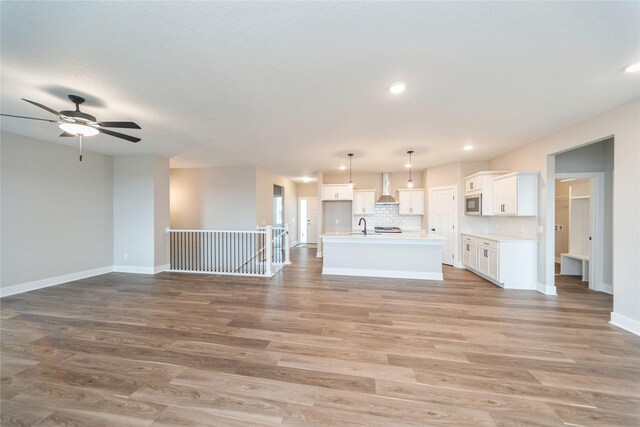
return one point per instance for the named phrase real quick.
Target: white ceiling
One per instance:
(293, 87)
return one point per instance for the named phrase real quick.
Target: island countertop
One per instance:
(381, 236)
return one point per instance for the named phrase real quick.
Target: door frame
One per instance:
(456, 230)
(596, 226)
(309, 200)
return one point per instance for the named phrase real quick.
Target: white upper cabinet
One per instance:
(473, 184)
(364, 202)
(516, 194)
(411, 202)
(337, 192)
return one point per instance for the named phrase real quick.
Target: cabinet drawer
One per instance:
(483, 243)
(469, 239)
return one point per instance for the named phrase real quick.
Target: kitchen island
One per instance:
(402, 255)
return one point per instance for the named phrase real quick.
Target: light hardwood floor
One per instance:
(175, 349)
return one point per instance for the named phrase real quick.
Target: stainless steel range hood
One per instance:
(386, 198)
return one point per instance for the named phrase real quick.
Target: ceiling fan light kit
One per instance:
(78, 123)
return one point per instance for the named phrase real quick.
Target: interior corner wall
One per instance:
(161, 196)
(217, 198)
(622, 124)
(56, 214)
(265, 180)
(133, 208)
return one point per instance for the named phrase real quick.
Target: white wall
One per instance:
(214, 198)
(623, 124)
(56, 214)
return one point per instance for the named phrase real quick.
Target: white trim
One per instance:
(319, 254)
(625, 323)
(292, 244)
(607, 288)
(134, 269)
(546, 289)
(458, 264)
(52, 281)
(394, 274)
(160, 268)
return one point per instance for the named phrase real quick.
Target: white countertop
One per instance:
(378, 236)
(498, 237)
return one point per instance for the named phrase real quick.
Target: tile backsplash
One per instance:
(387, 216)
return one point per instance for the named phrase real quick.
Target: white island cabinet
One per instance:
(402, 255)
(509, 262)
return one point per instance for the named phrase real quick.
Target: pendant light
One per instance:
(350, 181)
(410, 182)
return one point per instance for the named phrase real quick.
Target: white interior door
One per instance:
(442, 219)
(312, 220)
(308, 217)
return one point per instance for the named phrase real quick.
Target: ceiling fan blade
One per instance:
(30, 118)
(128, 125)
(44, 107)
(119, 135)
(66, 134)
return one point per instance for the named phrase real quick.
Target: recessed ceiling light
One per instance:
(397, 87)
(408, 165)
(633, 68)
(306, 179)
(468, 147)
(342, 167)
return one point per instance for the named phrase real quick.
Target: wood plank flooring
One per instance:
(302, 349)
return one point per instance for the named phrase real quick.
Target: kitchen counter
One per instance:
(498, 237)
(387, 236)
(412, 255)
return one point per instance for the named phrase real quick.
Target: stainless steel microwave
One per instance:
(473, 205)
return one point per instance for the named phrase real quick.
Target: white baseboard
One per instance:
(607, 288)
(292, 244)
(319, 254)
(546, 289)
(625, 323)
(136, 269)
(458, 264)
(52, 281)
(393, 274)
(160, 268)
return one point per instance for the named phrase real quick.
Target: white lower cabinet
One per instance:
(508, 262)
(470, 252)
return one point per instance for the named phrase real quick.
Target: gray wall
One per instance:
(141, 212)
(56, 213)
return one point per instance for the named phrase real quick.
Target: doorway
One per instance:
(308, 223)
(579, 228)
(443, 219)
(592, 212)
(278, 206)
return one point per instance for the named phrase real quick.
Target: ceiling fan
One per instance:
(78, 123)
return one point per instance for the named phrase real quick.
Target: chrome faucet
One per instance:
(365, 225)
